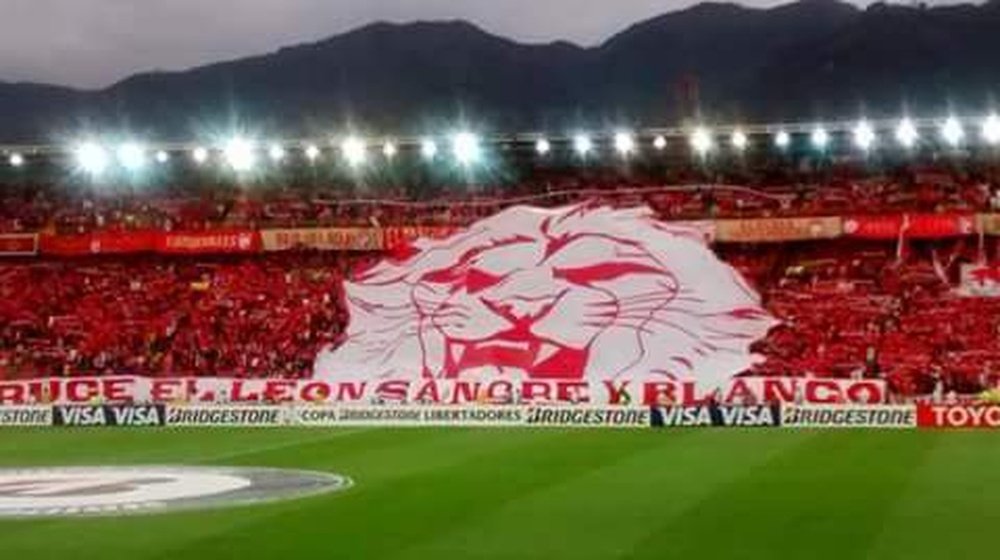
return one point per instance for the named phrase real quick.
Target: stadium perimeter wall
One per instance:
(910, 416)
(252, 241)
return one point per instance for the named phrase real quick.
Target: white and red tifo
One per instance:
(587, 294)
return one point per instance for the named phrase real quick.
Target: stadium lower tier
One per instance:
(846, 310)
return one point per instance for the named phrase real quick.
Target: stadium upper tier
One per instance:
(39, 208)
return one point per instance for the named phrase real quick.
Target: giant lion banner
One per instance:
(579, 294)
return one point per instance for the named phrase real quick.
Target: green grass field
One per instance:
(435, 493)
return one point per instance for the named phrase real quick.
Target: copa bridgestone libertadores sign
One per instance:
(106, 491)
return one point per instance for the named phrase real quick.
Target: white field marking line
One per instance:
(266, 448)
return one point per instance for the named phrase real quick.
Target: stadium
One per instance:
(714, 332)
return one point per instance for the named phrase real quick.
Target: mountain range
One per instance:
(814, 59)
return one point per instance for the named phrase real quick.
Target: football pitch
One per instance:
(523, 494)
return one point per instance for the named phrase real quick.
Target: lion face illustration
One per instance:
(566, 294)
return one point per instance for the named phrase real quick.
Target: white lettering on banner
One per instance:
(588, 417)
(690, 416)
(82, 416)
(883, 416)
(196, 391)
(747, 416)
(26, 416)
(966, 416)
(226, 416)
(131, 415)
(409, 416)
(108, 415)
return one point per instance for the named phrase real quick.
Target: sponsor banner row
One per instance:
(405, 416)
(777, 229)
(406, 391)
(152, 241)
(110, 415)
(18, 244)
(716, 415)
(79, 416)
(916, 226)
(327, 416)
(323, 239)
(978, 416)
(348, 238)
(982, 416)
(25, 415)
(221, 241)
(323, 416)
(787, 416)
(884, 416)
(913, 226)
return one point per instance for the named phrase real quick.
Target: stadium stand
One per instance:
(881, 307)
(45, 207)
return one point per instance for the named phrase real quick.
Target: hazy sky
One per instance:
(92, 43)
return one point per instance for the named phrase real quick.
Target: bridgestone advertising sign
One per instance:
(588, 417)
(884, 416)
(249, 416)
(26, 416)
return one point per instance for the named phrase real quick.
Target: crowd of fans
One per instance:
(45, 208)
(845, 312)
(854, 311)
(253, 317)
(846, 309)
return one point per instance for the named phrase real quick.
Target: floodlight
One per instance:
(701, 141)
(131, 156)
(200, 155)
(991, 129)
(660, 143)
(820, 138)
(952, 132)
(92, 158)
(582, 144)
(162, 156)
(542, 146)
(276, 152)
(16, 160)
(354, 151)
(740, 140)
(465, 148)
(389, 150)
(428, 148)
(906, 133)
(624, 143)
(239, 154)
(782, 139)
(312, 152)
(864, 135)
